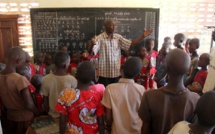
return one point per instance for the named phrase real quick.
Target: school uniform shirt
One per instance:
(109, 50)
(162, 108)
(210, 80)
(40, 69)
(193, 64)
(52, 85)
(39, 101)
(199, 79)
(124, 99)
(10, 87)
(181, 127)
(32, 69)
(82, 108)
(152, 61)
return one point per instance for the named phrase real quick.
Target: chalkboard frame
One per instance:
(156, 10)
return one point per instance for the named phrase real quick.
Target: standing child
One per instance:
(151, 56)
(31, 65)
(200, 77)
(37, 82)
(205, 111)
(193, 46)
(179, 39)
(49, 63)
(54, 83)
(161, 74)
(15, 95)
(74, 63)
(187, 46)
(143, 78)
(40, 67)
(81, 107)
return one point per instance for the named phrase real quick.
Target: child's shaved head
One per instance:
(206, 57)
(61, 59)
(180, 36)
(205, 109)
(195, 41)
(16, 52)
(177, 62)
(132, 67)
(85, 72)
(37, 80)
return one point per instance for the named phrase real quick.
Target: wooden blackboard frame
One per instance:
(35, 10)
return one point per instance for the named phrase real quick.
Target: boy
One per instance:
(15, 95)
(179, 41)
(122, 100)
(81, 107)
(200, 77)
(193, 46)
(205, 111)
(161, 109)
(151, 56)
(54, 83)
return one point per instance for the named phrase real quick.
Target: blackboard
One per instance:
(74, 26)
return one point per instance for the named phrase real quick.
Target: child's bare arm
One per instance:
(195, 88)
(190, 79)
(101, 124)
(46, 104)
(108, 118)
(28, 101)
(63, 120)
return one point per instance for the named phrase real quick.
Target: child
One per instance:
(143, 78)
(151, 56)
(31, 65)
(40, 67)
(26, 71)
(54, 83)
(160, 76)
(49, 64)
(74, 63)
(63, 48)
(161, 109)
(205, 111)
(193, 46)
(200, 77)
(37, 82)
(122, 99)
(167, 40)
(81, 107)
(14, 93)
(187, 46)
(179, 41)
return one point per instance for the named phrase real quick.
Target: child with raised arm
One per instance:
(54, 83)
(200, 77)
(81, 107)
(20, 108)
(205, 111)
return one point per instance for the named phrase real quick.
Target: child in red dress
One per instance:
(39, 65)
(151, 56)
(74, 63)
(201, 75)
(37, 82)
(81, 108)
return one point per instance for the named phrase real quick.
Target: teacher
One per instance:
(108, 45)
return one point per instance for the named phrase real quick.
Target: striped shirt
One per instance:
(109, 52)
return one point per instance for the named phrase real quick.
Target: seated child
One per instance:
(40, 67)
(143, 78)
(55, 82)
(81, 107)
(36, 81)
(151, 56)
(160, 76)
(74, 63)
(205, 111)
(193, 46)
(179, 39)
(200, 77)
(20, 108)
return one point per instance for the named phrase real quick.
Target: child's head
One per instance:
(63, 48)
(179, 39)
(39, 57)
(187, 43)
(204, 60)
(36, 81)
(149, 44)
(165, 48)
(85, 54)
(48, 59)
(205, 109)
(167, 40)
(126, 53)
(85, 72)
(61, 60)
(177, 62)
(142, 52)
(75, 57)
(194, 45)
(16, 57)
(25, 71)
(132, 67)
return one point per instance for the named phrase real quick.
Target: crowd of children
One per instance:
(66, 88)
